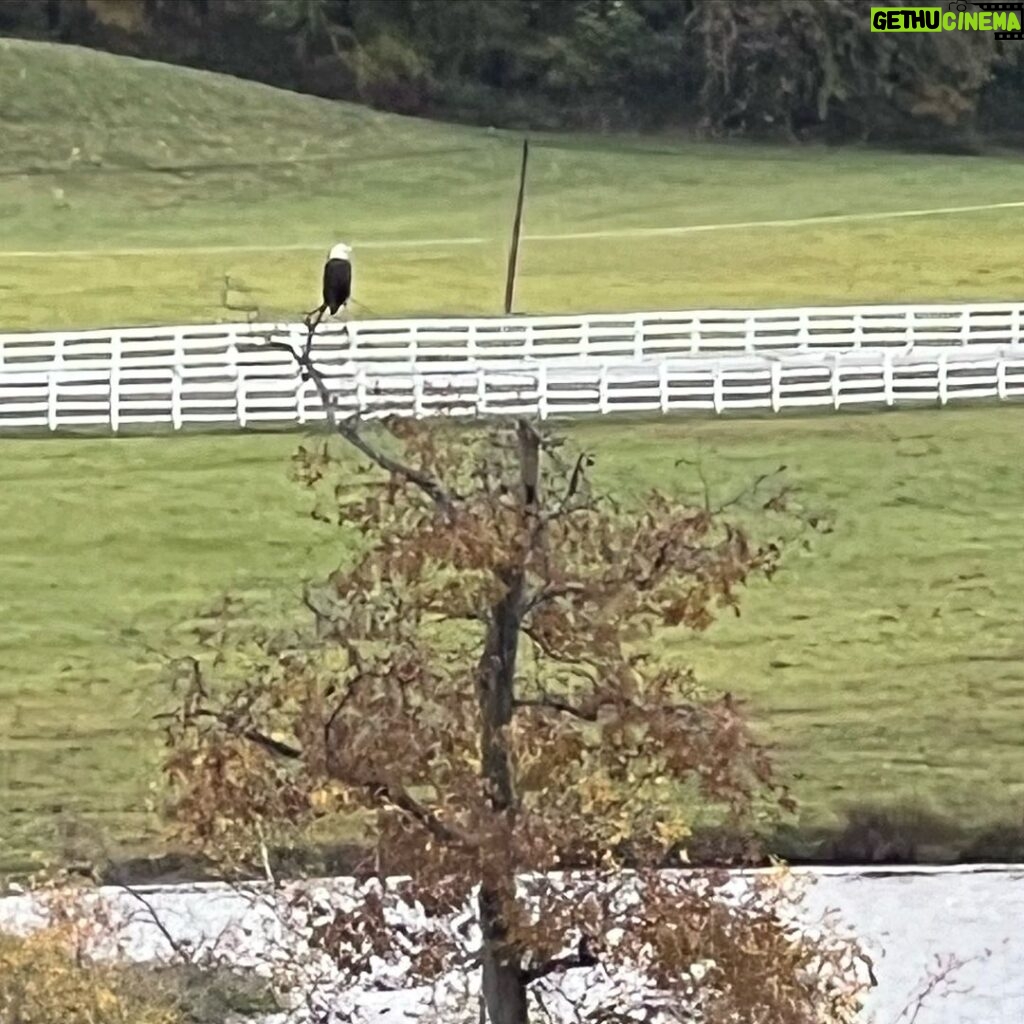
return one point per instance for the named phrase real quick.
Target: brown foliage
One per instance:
(479, 690)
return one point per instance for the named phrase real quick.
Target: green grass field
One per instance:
(102, 154)
(887, 662)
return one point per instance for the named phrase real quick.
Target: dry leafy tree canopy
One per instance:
(479, 692)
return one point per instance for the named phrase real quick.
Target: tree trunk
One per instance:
(504, 984)
(504, 990)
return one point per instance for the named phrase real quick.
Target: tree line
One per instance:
(789, 69)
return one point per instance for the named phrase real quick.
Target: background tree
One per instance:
(480, 696)
(802, 64)
(310, 26)
(795, 69)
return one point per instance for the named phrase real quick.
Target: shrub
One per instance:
(43, 981)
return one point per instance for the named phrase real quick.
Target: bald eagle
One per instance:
(337, 277)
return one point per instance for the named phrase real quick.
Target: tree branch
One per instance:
(285, 750)
(529, 463)
(577, 478)
(589, 710)
(349, 430)
(180, 950)
(549, 652)
(230, 722)
(559, 964)
(586, 714)
(750, 491)
(552, 593)
(396, 796)
(410, 806)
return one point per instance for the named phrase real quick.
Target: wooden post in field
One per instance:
(513, 256)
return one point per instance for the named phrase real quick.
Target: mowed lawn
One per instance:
(118, 177)
(887, 661)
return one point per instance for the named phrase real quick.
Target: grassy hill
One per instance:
(104, 155)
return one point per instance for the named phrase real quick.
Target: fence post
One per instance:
(296, 340)
(663, 386)
(236, 372)
(943, 379)
(114, 409)
(417, 394)
(717, 391)
(51, 400)
(887, 377)
(638, 339)
(776, 385)
(179, 352)
(481, 391)
(176, 383)
(240, 397)
(1001, 377)
(361, 390)
(836, 382)
(602, 389)
(542, 388)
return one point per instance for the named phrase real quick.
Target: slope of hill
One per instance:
(218, 178)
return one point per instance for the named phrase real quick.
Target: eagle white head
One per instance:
(341, 251)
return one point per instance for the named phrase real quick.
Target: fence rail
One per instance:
(270, 392)
(514, 340)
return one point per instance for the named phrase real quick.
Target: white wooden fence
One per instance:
(710, 360)
(273, 392)
(624, 337)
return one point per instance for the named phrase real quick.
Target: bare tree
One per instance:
(481, 696)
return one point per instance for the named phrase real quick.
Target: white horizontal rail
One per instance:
(486, 340)
(272, 391)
